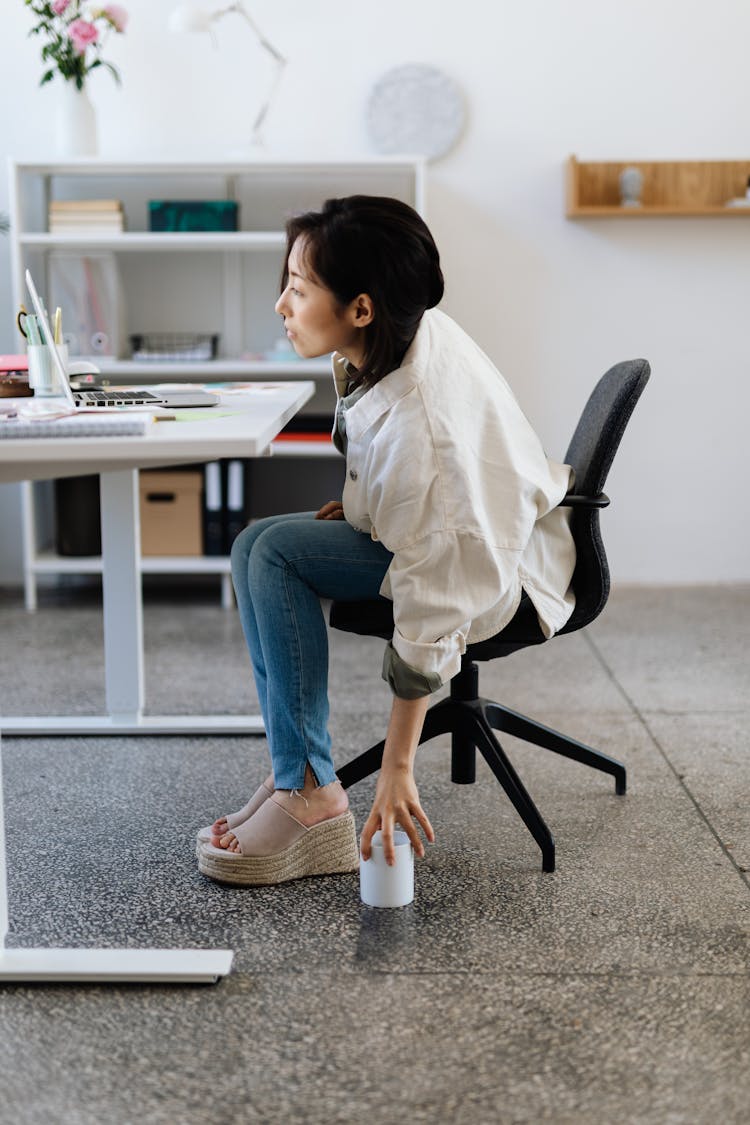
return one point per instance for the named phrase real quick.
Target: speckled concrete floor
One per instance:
(615, 990)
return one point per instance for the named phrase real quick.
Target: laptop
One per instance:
(85, 400)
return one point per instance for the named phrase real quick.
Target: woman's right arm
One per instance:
(396, 797)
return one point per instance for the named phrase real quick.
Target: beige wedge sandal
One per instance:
(234, 819)
(276, 848)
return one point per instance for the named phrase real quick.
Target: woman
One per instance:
(449, 510)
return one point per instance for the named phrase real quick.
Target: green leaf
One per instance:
(47, 77)
(114, 72)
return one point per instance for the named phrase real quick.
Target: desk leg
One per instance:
(123, 607)
(123, 639)
(3, 866)
(105, 966)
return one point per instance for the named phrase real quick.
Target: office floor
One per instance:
(616, 990)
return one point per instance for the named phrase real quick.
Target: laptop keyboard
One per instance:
(115, 398)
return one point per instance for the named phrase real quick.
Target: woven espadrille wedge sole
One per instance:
(236, 818)
(329, 848)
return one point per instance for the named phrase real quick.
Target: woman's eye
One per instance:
(297, 292)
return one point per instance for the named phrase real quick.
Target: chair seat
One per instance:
(374, 618)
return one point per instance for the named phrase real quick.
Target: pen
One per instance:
(57, 331)
(33, 334)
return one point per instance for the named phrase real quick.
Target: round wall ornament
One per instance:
(417, 110)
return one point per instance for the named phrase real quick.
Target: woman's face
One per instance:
(314, 322)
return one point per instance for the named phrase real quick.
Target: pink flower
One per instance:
(59, 6)
(83, 34)
(116, 15)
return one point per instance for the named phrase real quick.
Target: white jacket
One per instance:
(444, 469)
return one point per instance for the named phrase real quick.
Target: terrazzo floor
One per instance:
(616, 990)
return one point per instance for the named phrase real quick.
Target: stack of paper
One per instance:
(86, 216)
(74, 426)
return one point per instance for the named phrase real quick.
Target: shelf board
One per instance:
(603, 212)
(49, 562)
(304, 449)
(156, 240)
(185, 564)
(230, 370)
(252, 166)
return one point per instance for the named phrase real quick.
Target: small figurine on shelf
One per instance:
(631, 186)
(740, 200)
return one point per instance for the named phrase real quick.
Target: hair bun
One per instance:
(436, 289)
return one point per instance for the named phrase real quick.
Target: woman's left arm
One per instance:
(396, 796)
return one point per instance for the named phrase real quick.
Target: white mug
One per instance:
(381, 885)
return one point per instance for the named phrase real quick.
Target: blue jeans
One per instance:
(281, 568)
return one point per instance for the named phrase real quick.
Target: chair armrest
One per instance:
(574, 500)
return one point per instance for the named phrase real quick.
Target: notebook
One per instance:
(85, 400)
(74, 425)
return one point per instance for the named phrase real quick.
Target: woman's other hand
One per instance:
(333, 510)
(396, 802)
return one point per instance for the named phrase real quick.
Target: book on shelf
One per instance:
(67, 216)
(73, 205)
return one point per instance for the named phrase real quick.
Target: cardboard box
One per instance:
(171, 513)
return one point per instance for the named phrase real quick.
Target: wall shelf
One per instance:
(679, 189)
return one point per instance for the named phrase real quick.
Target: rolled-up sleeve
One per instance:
(438, 586)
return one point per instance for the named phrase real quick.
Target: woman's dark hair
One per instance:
(379, 246)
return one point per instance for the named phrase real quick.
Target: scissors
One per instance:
(21, 321)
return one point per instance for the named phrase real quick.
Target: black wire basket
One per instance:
(181, 347)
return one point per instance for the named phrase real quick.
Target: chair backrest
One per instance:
(591, 452)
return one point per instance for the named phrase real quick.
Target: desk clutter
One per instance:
(14, 376)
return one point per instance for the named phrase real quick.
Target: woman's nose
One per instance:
(279, 306)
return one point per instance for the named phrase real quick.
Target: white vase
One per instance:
(76, 122)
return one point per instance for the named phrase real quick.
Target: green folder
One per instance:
(192, 215)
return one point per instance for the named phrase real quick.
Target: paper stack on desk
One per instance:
(74, 425)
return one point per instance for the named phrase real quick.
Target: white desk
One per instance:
(256, 417)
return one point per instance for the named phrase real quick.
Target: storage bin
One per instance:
(78, 526)
(171, 507)
(192, 215)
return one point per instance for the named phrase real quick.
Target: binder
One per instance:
(213, 524)
(235, 506)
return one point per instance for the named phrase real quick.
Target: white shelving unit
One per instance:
(224, 283)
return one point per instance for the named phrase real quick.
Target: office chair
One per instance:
(464, 714)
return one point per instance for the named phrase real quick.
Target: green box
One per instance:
(192, 215)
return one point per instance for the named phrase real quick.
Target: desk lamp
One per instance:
(189, 18)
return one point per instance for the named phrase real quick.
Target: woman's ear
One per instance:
(362, 310)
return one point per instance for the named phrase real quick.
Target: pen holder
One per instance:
(381, 885)
(43, 377)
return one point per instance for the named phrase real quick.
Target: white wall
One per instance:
(554, 302)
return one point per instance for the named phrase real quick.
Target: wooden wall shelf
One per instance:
(670, 188)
